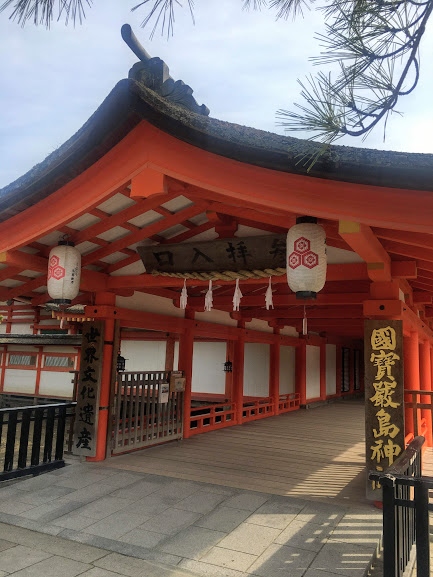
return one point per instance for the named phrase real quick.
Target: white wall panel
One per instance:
(256, 370)
(21, 329)
(20, 381)
(144, 355)
(331, 369)
(313, 372)
(56, 384)
(208, 367)
(287, 370)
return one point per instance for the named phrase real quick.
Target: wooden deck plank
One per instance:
(316, 454)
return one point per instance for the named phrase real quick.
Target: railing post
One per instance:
(389, 550)
(421, 528)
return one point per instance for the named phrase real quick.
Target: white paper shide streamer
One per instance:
(183, 296)
(237, 296)
(208, 299)
(268, 296)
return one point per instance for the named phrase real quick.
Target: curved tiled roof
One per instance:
(131, 101)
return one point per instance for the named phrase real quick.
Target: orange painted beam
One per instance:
(383, 308)
(422, 298)
(404, 269)
(143, 233)
(422, 240)
(362, 240)
(411, 251)
(282, 300)
(147, 183)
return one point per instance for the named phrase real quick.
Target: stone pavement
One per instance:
(96, 521)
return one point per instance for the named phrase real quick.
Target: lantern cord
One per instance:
(268, 296)
(237, 296)
(305, 323)
(208, 299)
(183, 296)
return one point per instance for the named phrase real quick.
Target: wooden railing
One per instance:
(405, 513)
(288, 402)
(418, 400)
(258, 409)
(209, 417)
(32, 439)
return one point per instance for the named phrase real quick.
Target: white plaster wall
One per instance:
(56, 384)
(20, 381)
(150, 303)
(208, 367)
(331, 369)
(259, 325)
(287, 370)
(313, 372)
(144, 355)
(215, 316)
(256, 370)
(21, 329)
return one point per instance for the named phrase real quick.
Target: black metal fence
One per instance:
(32, 439)
(406, 508)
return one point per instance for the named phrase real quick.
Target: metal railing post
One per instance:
(389, 536)
(421, 530)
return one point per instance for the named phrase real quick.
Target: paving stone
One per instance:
(321, 514)
(248, 538)
(82, 479)
(208, 570)
(247, 500)
(223, 519)
(227, 558)
(104, 507)
(201, 502)
(98, 572)
(114, 526)
(90, 493)
(50, 511)
(276, 513)
(359, 528)
(53, 545)
(344, 559)
(130, 567)
(137, 490)
(121, 479)
(6, 545)
(42, 496)
(54, 567)
(14, 506)
(36, 483)
(151, 505)
(3, 574)
(280, 561)
(305, 535)
(180, 489)
(19, 557)
(193, 542)
(319, 573)
(143, 538)
(73, 520)
(171, 521)
(29, 524)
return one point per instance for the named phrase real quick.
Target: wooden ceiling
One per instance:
(107, 236)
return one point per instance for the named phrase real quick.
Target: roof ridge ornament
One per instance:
(154, 74)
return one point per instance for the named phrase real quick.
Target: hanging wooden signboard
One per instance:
(88, 390)
(384, 388)
(233, 254)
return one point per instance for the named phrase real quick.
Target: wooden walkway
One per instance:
(316, 454)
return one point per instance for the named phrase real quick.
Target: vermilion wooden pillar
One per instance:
(274, 372)
(169, 353)
(323, 371)
(186, 349)
(230, 354)
(411, 374)
(106, 378)
(301, 372)
(425, 385)
(238, 372)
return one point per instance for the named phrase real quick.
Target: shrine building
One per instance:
(166, 309)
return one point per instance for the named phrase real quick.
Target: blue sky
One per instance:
(243, 65)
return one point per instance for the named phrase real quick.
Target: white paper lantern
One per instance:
(306, 258)
(64, 272)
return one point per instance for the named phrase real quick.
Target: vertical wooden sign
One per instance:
(384, 397)
(88, 390)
